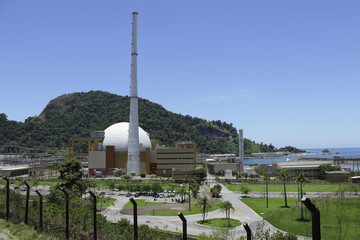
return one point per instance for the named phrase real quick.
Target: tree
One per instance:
(182, 192)
(325, 151)
(200, 173)
(70, 172)
(215, 191)
(111, 187)
(54, 166)
(284, 174)
(244, 189)
(146, 188)
(121, 187)
(226, 207)
(126, 177)
(301, 178)
(156, 188)
(204, 205)
(194, 188)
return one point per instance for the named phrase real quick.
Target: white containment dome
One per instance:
(118, 135)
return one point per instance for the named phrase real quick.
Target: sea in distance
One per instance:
(340, 152)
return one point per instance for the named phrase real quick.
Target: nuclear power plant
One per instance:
(126, 148)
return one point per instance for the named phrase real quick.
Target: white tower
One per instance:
(133, 161)
(241, 150)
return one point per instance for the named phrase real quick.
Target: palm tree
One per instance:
(301, 178)
(204, 205)
(226, 207)
(284, 174)
(182, 191)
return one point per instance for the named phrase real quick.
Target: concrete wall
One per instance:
(223, 167)
(97, 159)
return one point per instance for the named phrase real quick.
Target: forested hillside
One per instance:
(78, 114)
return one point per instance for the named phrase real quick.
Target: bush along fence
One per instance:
(67, 216)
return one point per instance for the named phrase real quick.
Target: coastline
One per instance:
(286, 155)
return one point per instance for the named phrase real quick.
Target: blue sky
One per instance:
(287, 72)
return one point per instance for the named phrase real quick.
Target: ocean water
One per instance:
(342, 152)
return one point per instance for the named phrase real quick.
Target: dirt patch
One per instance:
(163, 207)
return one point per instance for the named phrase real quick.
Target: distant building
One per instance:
(181, 157)
(218, 163)
(14, 171)
(337, 176)
(310, 168)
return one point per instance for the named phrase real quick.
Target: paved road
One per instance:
(242, 212)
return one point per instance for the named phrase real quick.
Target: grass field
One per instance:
(220, 222)
(142, 203)
(194, 210)
(339, 217)
(293, 188)
(105, 202)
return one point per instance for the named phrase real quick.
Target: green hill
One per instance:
(78, 114)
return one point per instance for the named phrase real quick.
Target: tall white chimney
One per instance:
(241, 150)
(133, 161)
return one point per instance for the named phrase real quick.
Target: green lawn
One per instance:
(105, 202)
(294, 188)
(339, 217)
(142, 203)
(220, 222)
(194, 210)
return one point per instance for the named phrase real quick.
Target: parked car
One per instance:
(128, 194)
(101, 193)
(137, 194)
(161, 195)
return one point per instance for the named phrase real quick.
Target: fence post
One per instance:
(40, 210)
(27, 202)
(248, 231)
(136, 237)
(66, 212)
(94, 209)
(183, 219)
(315, 218)
(7, 198)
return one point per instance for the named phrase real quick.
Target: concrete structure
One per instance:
(133, 163)
(94, 144)
(355, 179)
(14, 171)
(109, 155)
(241, 150)
(218, 163)
(310, 168)
(337, 176)
(182, 158)
(113, 153)
(228, 173)
(219, 168)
